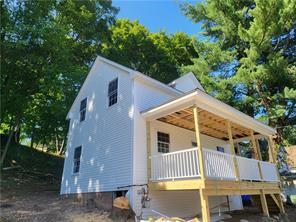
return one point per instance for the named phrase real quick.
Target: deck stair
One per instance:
(272, 206)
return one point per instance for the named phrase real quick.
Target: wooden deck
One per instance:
(218, 188)
(209, 172)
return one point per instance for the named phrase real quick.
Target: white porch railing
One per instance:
(217, 165)
(248, 168)
(269, 171)
(174, 165)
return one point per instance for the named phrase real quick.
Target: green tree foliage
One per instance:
(46, 49)
(249, 57)
(156, 54)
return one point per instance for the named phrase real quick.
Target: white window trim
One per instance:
(107, 102)
(83, 110)
(156, 139)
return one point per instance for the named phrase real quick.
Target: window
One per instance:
(83, 109)
(163, 142)
(112, 92)
(194, 144)
(220, 149)
(76, 161)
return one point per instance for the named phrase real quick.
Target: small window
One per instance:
(220, 149)
(76, 161)
(83, 104)
(194, 144)
(163, 142)
(112, 92)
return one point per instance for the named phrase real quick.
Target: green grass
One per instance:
(34, 160)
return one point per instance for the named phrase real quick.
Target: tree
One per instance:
(156, 54)
(47, 48)
(249, 61)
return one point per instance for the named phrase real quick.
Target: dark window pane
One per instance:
(76, 163)
(194, 144)
(82, 115)
(83, 104)
(77, 152)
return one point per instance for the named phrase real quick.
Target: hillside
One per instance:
(34, 160)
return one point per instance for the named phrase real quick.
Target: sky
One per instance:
(158, 15)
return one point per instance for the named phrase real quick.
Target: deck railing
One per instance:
(174, 165)
(248, 168)
(217, 165)
(269, 171)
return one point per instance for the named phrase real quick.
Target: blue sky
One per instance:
(158, 15)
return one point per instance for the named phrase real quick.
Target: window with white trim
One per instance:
(112, 92)
(163, 142)
(76, 159)
(83, 105)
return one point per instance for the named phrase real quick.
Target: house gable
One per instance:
(186, 83)
(105, 134)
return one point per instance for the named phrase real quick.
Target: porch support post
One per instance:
(205, 208)
(280, 202)
(199, 144)
(232, 150)
(264, 203)
(271, 150)
(258, 148)
(254, 145)
(204, 200)
(238, 148)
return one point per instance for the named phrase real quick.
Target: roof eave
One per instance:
(209, 103)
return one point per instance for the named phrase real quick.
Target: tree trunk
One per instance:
(32, 137)
(61, 148)
(11, 134)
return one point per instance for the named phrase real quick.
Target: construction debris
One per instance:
(121, 203)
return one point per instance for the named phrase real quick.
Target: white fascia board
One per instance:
(209, 103)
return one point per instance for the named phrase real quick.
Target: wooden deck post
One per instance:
(199, 144)
(280, 202)
(253, 141)
(204, 200)
(258, 148)
(205, 208)
(232, 150)
(271, 150)
(264, 203)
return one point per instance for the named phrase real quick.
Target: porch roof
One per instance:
(213, 116)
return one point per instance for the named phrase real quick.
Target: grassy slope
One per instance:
(34, 160)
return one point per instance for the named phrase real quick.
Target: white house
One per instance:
(129, 132)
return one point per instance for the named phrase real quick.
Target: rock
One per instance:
(243, 220)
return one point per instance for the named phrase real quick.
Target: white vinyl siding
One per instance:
(106, 135)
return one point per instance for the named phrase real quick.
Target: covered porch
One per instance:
(212, 172)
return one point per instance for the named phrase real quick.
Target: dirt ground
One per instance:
(33, 198)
